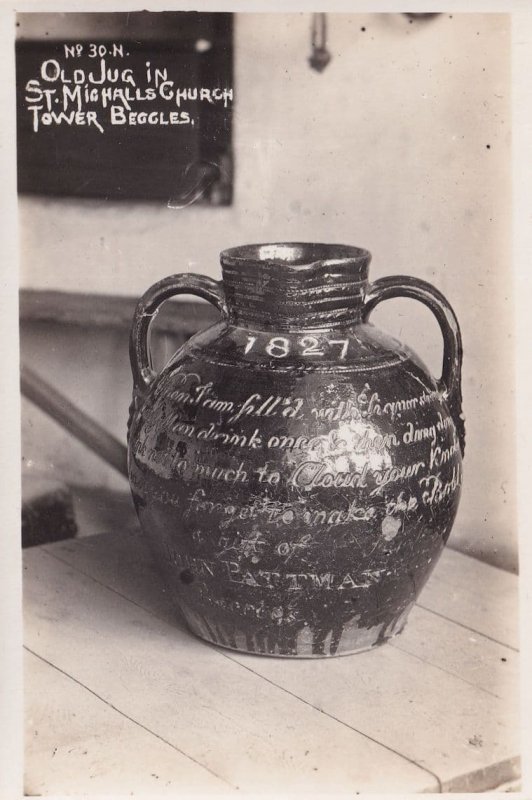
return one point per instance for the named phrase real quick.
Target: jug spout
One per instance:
(295, 285)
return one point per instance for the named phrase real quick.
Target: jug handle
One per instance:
(148, 308)
(450, 383)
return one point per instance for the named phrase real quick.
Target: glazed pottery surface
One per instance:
(296, 471)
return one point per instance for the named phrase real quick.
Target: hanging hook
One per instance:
(320, 56)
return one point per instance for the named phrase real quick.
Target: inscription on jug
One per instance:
(353, 454)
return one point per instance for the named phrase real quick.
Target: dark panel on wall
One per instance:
(132, 106)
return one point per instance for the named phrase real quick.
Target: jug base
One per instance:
(308, 656)
(306, 644)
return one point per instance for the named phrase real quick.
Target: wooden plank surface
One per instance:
(240, 727)
(435, 710)
(103, 748)
(474, 594)
(472, 658)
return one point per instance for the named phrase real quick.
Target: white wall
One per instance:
(386, 149)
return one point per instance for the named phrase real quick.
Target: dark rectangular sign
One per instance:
(142, 114)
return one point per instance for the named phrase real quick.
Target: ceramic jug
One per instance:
(296, 470)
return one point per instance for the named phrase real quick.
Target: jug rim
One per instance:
(296, 256)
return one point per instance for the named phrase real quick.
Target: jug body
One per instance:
(296, 471)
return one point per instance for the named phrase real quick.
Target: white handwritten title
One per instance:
(107, 94)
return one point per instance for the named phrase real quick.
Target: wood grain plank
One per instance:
(434, 718)
(479, 596)
(480, 724)
(123, 562)
(482, 662)
(91, 758)
(248, 732)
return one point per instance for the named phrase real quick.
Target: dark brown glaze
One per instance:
(297, 483)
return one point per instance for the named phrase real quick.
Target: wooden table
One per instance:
(121, 699)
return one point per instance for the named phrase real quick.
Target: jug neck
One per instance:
(295, 285)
